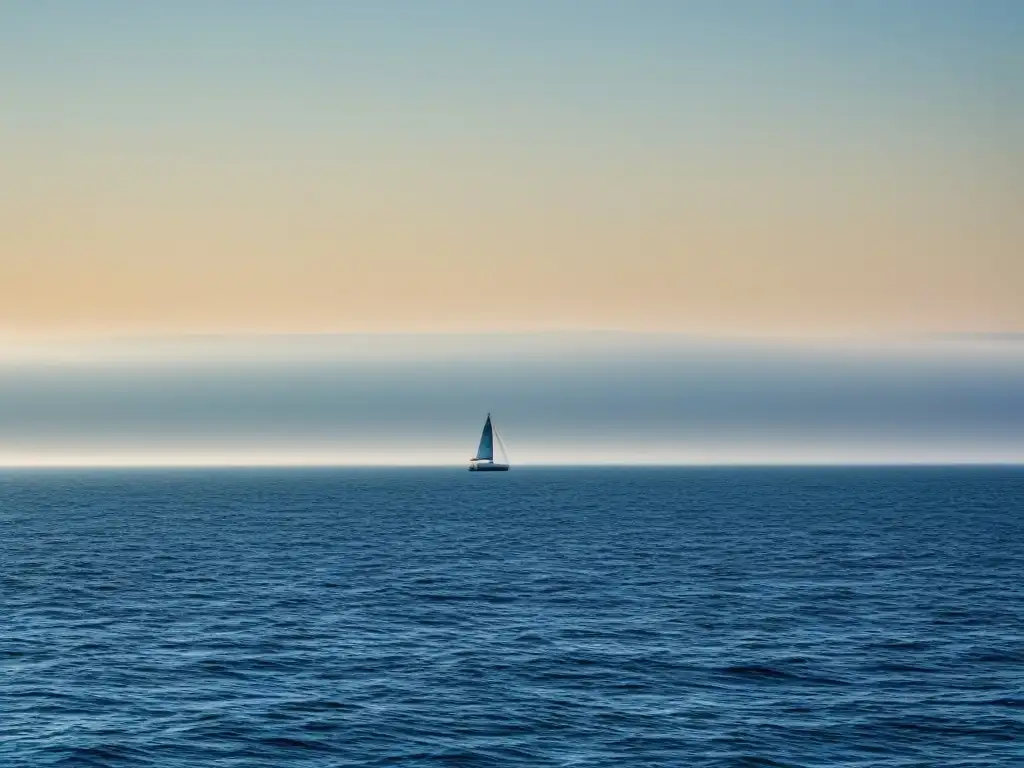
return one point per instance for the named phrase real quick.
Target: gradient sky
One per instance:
(432, 165)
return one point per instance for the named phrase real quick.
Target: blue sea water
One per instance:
(543, 617)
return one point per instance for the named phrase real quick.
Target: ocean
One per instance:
(543, 617)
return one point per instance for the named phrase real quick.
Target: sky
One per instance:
(571, 398)
(420, 166)
(319, 231)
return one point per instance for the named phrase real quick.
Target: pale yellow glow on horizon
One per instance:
(107, 239)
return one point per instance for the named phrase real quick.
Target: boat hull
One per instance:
(488, 467)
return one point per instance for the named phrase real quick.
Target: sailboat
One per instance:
(484, 459)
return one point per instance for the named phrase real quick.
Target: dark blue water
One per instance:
(698, 617)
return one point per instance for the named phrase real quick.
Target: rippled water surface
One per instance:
(626, 617)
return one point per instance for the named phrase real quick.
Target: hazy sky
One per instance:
(415, 165)
(556, 399)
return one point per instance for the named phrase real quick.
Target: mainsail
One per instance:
(485, 452)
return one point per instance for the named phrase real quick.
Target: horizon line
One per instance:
(298, 465)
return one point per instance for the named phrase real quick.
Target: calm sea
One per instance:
(543, 617)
